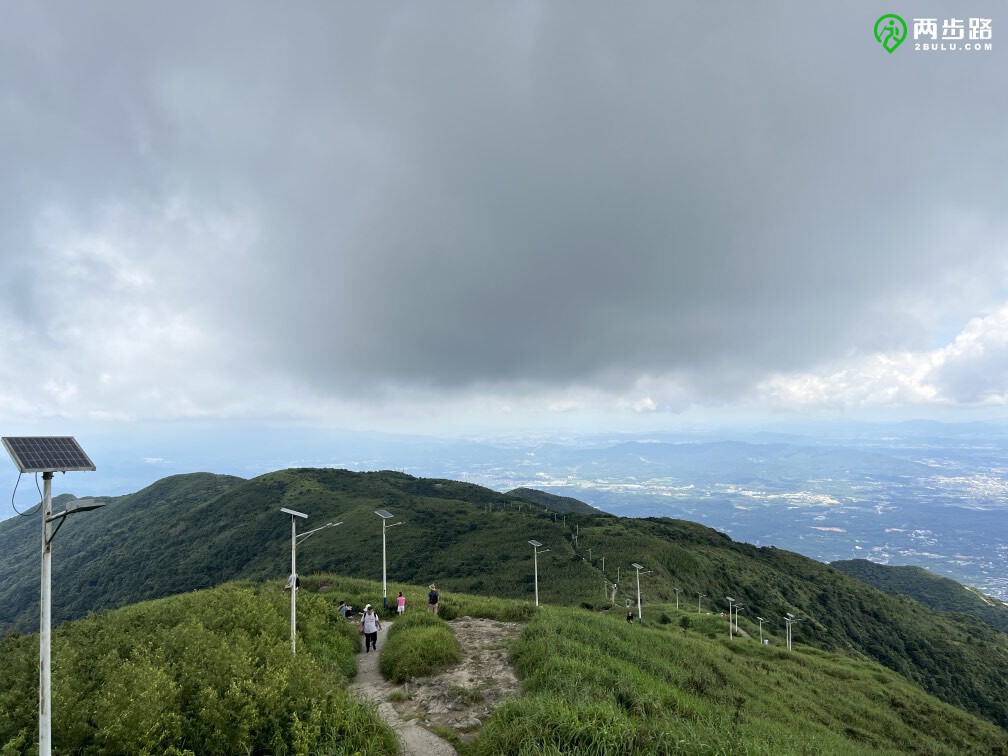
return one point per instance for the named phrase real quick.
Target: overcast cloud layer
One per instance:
(446, 214)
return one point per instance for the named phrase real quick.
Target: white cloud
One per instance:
(973, 369)
(645, 404)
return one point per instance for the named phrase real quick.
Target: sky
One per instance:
(478, 218)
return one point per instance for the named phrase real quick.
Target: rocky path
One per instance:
(462, 698)
(414, 740)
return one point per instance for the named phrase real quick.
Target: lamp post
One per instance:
(535, 560)
(789, 619)
(45, 691)
(385, 515)
(676, 598)
(761, 621)
(698, 597)
(46, 455)
(293, 573)
(737, 607)
(293, 580)
(730, 600)
(640, 612)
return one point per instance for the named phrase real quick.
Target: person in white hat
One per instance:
(370, 625)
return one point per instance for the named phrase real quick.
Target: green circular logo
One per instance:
(890, 31)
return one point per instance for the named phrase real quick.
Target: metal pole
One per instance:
(45, 622)
(677, 599)
(729, 600)
(293, 585)
(535, 560)
(640, 612)
(384, 582)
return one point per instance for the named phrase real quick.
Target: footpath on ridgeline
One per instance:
(414, 740)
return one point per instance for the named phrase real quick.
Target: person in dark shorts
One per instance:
(432, 599)
(370, 625)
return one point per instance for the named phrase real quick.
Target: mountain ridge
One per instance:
(169, 538)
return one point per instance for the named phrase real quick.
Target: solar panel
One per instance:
(47, 454)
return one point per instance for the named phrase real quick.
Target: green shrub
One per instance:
(209, 672)
(418, 645)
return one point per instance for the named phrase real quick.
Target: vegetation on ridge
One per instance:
(418, 645)
(201, 673)
(211, 672)
(596, 684)
(470, 539)
(931, 590)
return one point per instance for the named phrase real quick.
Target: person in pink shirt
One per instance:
(402, 603)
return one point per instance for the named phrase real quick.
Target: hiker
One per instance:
(629, 616)
(432, 599)
(401, 603)
(370, 625)
(293, 582)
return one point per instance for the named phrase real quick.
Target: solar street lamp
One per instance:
(737, 607)
(47, 455)
(698, 597)
(385, 516)
(789, 619)
(676, 598)
(729, 599)
(640, 613)
(535, 561)
(292, 582)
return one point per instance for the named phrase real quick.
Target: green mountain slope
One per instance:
(932, 590)
(102, 559)
(471, 539)
(211, 672)
(553, 502)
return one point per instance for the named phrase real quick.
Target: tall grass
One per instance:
(452, 605)
(418, 645)
(597, 685)
(209, 672)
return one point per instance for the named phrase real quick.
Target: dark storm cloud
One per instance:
(453, 195)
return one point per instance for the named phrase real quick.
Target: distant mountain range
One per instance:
(193, 531)
(911, 493)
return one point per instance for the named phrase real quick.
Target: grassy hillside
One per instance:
(565, 504)
(201, 673)
(594, 684)
(932, 590)
(102, 559)
(211, 672)
(470, 539)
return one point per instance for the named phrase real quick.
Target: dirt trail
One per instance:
(461, 698)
